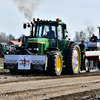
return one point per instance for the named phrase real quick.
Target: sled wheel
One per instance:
(86, 65)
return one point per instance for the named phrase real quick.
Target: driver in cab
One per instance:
(50, 33)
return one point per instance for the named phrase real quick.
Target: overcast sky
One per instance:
(77, 14)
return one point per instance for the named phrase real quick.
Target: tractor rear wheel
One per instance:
(55, 63)
(73, 59)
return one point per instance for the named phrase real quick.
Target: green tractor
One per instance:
(46, 49)
(3, 49)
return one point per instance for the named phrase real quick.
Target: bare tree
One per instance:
(79, 36)
(5, 38)
(84, 34)
(90, 30)
(11, 37)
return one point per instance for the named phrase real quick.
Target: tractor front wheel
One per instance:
(55, 63)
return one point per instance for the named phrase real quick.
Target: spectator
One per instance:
(82, 47)
(93, 38)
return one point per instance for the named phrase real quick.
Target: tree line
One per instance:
(6, 38)
(84, 34)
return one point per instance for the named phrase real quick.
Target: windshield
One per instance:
(46, 31)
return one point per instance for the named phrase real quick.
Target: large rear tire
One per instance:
(55, 63)
(73, 59)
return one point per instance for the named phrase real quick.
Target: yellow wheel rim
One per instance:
(76, 69)
(58, 64)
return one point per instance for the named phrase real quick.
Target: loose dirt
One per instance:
(6, 76)
(41, 87)
(33, 86)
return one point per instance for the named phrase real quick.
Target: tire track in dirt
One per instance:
(7, 77)
(45, 89)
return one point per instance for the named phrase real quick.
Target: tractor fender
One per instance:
(53, 48)
(68, 43)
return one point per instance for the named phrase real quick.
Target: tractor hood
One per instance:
(39, 40)
(38, 45)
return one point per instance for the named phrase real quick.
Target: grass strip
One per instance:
(1, 68)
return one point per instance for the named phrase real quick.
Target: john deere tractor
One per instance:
(47, 49)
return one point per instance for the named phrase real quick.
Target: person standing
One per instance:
(93, 38)
(82, 48)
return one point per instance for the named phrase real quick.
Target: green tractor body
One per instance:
(47, 49)
(38, 45)
(3, 49)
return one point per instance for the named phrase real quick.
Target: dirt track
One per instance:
(39, 86)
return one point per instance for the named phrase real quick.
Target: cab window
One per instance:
(46, 31)
(60, 33)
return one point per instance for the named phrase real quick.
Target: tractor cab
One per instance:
(46, 35)
(50, 29)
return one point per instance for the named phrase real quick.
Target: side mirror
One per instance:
(24, 26)
(29, 25)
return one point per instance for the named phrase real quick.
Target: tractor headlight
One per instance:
(30, 49)
(53, 43)
(36, 49)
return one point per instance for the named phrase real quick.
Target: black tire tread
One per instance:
(52, 61)
(68, 59)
